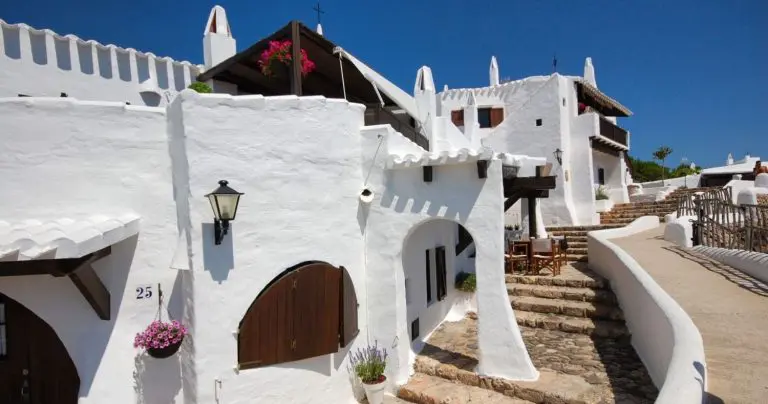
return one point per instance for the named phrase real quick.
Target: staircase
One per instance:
(625, 213)
(574, 332)
(577, 238)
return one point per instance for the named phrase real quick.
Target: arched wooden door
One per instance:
(35, 367)
(309, 310)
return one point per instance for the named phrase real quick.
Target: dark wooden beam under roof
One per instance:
(79, 271)
(595, 98)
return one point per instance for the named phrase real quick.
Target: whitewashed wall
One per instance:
(41, 63)
(402, 202)
(298, 161)
(76, 159)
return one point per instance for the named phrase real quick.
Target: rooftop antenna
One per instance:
(554, 63)
(319, 11)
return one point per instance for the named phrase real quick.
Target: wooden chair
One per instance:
(516, 253)
(546, 253)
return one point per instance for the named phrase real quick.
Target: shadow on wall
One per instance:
(114, 275)
(398, 196)
(156, 381)
(218, 260)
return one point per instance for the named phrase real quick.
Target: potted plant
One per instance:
(369, 365)
(603, 202)
(200, 87)
(280, 53)
(161, 339)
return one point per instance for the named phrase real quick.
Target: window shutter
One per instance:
(497, 116)
(316, 311)
(442, 286)
(458, 117)
(348, 329)
(429, 278)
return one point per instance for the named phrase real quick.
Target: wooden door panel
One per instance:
(316, 315)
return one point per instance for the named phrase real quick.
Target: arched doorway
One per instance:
(35, 367)
(434, 253)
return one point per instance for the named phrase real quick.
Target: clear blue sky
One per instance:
(694, 72)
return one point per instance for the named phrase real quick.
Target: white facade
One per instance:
(539, 117)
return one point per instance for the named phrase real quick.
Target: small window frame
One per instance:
(3, 329)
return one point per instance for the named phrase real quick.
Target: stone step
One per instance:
(575, 325)
(567, 307)
(575, 239)
(621, 212)
(622, 220)
(562, 292)
(578, 228)
(577, 258)
(550, 387)
(546, 280)
(577, 251)
(425, 389)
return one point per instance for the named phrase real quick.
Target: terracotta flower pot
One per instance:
(375, 392)
(161, 353)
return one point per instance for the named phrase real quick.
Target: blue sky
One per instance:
(694, 72)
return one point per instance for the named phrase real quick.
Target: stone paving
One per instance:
(609, 368)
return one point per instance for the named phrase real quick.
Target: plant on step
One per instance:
(200, 87)
(161, 337)
(369, 364)
(281, 52)
(601, 193)
(466, 282)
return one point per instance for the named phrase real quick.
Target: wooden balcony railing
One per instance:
(609, 130)
(377, 115)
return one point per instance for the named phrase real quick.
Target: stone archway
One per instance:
(35, 367)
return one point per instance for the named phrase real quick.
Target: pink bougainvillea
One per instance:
(280, 52)
(160, 334)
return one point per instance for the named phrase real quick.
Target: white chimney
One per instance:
(494, 71)
(218, 43)
(319, 29)
(729, 160)
(589, 72)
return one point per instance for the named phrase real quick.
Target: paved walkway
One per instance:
(730, 310)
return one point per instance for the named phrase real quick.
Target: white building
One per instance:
(563, 118)
(343, 216)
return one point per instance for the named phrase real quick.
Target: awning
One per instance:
(63, 238)
(609, 106)
(66, 248)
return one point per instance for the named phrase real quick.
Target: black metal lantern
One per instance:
(559, 156)
(224, 201)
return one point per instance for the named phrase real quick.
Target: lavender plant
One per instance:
(369, 364)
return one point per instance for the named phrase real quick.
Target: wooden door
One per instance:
(35, 367)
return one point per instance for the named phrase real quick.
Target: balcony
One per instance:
(375, 114)
(614, 133)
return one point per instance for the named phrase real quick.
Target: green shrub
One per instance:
(601, 193)
(466, 282)
(200, 87)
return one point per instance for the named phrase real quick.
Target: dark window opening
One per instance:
(539, 122)
(457, 117)
(601, 176)
(429, 278)
(63, 95)
(414, 329)
(440, 273)
(3, 332)
(23, 95)
(563, 101)
(484, 117)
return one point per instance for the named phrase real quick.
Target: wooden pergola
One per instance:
(531, 188)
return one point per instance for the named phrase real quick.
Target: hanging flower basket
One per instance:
(279, 55)
(161, 339)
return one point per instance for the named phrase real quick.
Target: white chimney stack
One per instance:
(494, 71)
(218, 43)
(589, 72)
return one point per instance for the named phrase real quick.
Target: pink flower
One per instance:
(160, 335)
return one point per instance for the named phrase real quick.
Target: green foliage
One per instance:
(661, 154)
(200, 87)
(644, 171)
(466, 282)
(683, 170)
(601, 193)
(369, 364)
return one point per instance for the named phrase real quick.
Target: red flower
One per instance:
(281, 52)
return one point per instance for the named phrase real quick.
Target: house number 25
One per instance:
(144, 292)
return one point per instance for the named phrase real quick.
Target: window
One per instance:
(414, 329)
(563, 101)
(440, 270)
(457, 117)
(428, 268)
(484, 117)
(3, 338)
(63, 95)
(539, 122)
(601, 176)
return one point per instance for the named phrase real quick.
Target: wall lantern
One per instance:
(559, 156)
(224, 201)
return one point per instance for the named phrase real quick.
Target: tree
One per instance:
(661, 155)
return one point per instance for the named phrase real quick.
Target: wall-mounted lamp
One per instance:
(224, 201)
(366, 195)
(559, 156)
